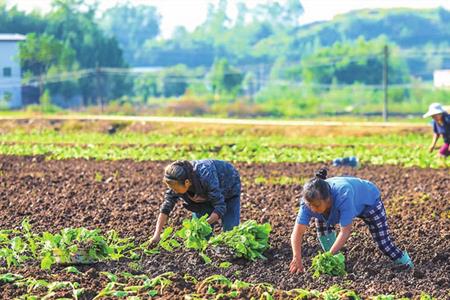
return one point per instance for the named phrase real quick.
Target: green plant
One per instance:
(163, 281)
(118, 289)
(336, 293)
(98, 177)
(225, 265)
(14, 249)
(51, 288)
(248, 240)
(72, 270)
(195, 233)
(383, 297)
(9, 277)
(327, 263)
(425, 296)
(166, 242)
(216, 279)
(81, 245)
(404, 149)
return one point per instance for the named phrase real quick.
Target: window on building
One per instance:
(7, 96)
(7, 72)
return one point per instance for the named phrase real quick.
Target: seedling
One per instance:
(327, 263)
(166, 242)
(98, 177)
(225, 265)
(163, 280)
(51, 288)
(190, 279)
(384, 297)
(425, 296)
(248, 240)
(80, 245)
(9, 277)
(336, 293)
(118, 289)
(195, 233)
(72, 270)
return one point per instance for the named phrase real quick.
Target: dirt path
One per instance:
(219, 121)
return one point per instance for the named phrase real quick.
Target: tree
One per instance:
(225, 79)
(282, 16)
(349, 63)
(294, 10)
(13, 20)
(132, 26)
(174, 81)
(73, 22)
(39, 53)
(146, 86)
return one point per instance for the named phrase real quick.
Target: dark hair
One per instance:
(179, 171)
(317, 188)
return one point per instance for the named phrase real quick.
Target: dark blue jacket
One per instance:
(214, 180)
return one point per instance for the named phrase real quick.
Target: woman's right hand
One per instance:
(155, 240)
(296, 266)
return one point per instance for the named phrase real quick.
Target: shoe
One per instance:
(327, 241)
(405, 260)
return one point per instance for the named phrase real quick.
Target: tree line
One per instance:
(222, 57)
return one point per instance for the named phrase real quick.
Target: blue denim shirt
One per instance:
(350, 197)
(443, 129)
(217, 182)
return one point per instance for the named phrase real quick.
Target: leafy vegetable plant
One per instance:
(327, 263)
(248, 240)
(195, 233)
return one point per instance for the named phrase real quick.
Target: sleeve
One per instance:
(170, 199)
(304, 214)
(210, 180)
(435, 129)
(346, 208)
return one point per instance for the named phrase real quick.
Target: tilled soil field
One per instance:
(127, 195)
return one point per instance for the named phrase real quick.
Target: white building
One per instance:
(10, 74)
(441, 78)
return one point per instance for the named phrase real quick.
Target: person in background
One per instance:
(441, 127)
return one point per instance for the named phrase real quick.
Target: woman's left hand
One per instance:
(213, 218)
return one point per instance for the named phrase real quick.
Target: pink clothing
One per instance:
(444, 151)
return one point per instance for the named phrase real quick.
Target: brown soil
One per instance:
(58, 194)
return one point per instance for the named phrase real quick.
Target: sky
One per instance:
(174, 12)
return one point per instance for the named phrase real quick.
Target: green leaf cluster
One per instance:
(70, 245)
(195, 233)
(327, 263)
(81, 245)
(248, 240)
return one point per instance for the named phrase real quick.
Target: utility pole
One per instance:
(385, 83)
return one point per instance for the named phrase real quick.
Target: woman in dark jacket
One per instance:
(210, 187)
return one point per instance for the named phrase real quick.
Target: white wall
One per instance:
(9, 52)
(441, 78)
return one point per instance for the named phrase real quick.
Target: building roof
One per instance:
(11, 37)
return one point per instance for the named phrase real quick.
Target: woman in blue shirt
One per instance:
(338, 200)
(210, 187)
